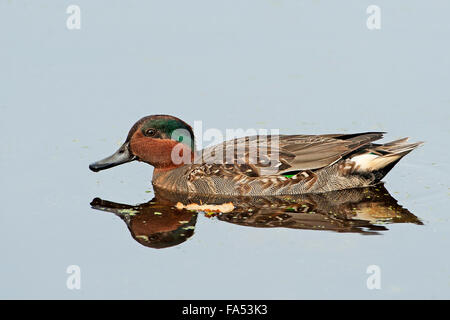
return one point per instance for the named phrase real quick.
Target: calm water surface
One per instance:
(70, 97)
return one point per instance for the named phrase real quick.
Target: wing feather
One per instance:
(292, 152)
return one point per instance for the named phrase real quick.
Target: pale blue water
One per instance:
(69, 98)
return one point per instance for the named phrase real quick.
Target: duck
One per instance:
(269, 165)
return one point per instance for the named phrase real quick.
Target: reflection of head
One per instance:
(160, 235)
(153, 224)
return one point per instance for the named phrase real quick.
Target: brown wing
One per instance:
(289, 153)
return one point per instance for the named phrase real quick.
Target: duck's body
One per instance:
(274, 165)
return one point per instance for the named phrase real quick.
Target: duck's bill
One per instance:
(123, 155)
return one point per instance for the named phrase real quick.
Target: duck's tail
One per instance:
(382, 158)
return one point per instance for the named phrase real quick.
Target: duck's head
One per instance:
(160, 140)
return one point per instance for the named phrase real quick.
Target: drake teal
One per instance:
(256, 165)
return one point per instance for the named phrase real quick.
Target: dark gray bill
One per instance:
(123, 155)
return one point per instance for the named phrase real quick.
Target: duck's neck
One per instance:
(170, 179)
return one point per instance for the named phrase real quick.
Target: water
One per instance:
(70, 97)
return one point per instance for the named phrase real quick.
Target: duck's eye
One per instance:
(150, 132)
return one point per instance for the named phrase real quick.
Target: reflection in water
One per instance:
(159, 224)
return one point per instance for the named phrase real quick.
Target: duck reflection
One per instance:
(155, 224)
(165, 221)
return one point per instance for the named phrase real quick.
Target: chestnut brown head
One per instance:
(160, 140)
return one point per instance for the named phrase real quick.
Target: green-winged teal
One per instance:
(256, 166)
